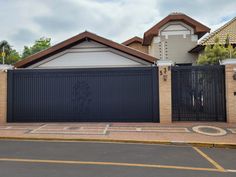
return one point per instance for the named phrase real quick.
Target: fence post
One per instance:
(165, 91)
(3, 96)
(230, 89)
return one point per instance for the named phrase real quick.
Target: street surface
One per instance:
(86, 159)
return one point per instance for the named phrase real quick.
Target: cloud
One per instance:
(25, 21)
(210, 12)
(23, 35)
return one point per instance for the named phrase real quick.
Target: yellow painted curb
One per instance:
(184, 143)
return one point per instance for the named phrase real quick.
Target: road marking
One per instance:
(218, 166)
(40, 127)
(233, 171)
(109, 164)
(105, 129)
(63, 129)
(233, 130)
(149, 129)
(219, 131)
(66, 128)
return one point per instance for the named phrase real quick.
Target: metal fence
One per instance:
(83, 95)
(198, 93)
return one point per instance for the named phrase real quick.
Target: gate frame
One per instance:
(195, 115)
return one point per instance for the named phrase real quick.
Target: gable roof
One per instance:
(198, 27)
(76, 40)
(133, 40)
(227, 29)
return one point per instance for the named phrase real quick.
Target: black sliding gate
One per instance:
(198, 93)
(83, 95)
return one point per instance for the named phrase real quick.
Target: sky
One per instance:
(24, 21)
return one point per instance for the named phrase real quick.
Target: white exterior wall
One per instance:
(173, 42)
(90, 54)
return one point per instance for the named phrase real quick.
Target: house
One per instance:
(172, 38)
(229, 29)
(86, 78)
(87, 50)
(136, 43)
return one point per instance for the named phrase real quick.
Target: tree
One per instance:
(214, 53)
(12, 56)
(39, 45)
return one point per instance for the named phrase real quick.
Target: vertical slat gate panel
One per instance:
(83, 95)
(198, 93)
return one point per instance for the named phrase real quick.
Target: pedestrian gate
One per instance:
(198, 93)
(83, 95)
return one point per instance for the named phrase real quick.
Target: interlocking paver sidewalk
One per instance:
(203, 133)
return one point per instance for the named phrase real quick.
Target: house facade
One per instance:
(88, 78)
(171, 39)
(181, 39)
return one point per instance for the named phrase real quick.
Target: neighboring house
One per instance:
(136, 43)
(172, 38)
(229, 29)
(87, 50)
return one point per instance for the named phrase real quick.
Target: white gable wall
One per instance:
(90, 54)
(173, 42)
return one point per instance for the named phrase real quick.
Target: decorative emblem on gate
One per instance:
(81, 97)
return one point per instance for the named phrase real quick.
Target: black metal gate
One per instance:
(83, 95)
(198, 93)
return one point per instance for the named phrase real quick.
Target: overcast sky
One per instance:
(24, 21)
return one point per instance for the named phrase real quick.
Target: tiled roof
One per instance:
(132, 40)
(222, 32)
(199, 29)
(78, 39)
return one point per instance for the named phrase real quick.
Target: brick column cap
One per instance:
(5, 67)
(165, 63)
(229, 61)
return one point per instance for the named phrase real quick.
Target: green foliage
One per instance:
(12, 56)
(214, 53)
(39, 45)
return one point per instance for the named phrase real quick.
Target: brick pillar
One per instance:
(165, 91)
(3, 97)
(230, 89)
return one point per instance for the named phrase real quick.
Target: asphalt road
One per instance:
(86, 159)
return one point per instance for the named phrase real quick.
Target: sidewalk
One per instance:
(205, 134)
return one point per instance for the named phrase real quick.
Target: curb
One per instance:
(177, 143)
